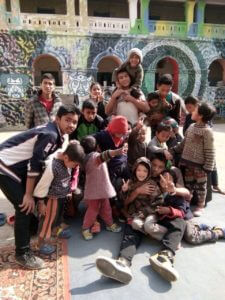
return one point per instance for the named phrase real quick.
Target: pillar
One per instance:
(132, 11)
(70, 11)
(145, 13)
(15, 10)
(3, 22)
(189, 14)
(84, 13)
(200, 18)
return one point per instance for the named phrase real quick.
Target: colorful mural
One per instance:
(79, 57)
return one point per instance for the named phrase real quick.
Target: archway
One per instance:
(106, 66)
(216, 75)
(168, 65)
(46, 64)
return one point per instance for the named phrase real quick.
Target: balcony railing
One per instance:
(168, 28)
(214, 31)
(109, 25)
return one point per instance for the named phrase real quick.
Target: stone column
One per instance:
(84, 13)
(132, 11)
(70, 11)
(189, 14)
(3, 22)
(15, 10)
(200, 17)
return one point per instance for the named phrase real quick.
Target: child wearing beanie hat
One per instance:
(133, 66)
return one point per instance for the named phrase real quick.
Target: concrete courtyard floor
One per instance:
(201, 268)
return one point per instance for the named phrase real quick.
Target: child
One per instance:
(96, 95)
(176, 103)
(171, 216)
(158, 143)
(123, 103)
(138, 206)
(44, 105)
(190, 103)
(156, 113)
(198, 154)
(89, 122)
(55, 184)
(98, 188)
(133, 66)
(22, 158)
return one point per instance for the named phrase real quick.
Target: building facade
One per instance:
(79, 41)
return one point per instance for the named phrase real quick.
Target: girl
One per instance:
(96, 95)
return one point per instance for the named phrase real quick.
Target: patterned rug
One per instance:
(50, 283)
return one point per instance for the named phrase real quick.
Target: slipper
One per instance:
(64, 233)
(11, 220)
(47, 249)
(2, 219)
(96, 228)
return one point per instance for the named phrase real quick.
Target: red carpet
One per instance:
(50, 283)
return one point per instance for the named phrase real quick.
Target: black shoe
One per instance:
(29, 261)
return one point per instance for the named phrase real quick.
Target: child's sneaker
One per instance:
(198, 211)
(220, 232)
(114, 228)
(96, 228)
(87, 234)
(162, 263)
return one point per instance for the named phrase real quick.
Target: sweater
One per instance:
(197, 147)
(36, 113)
(155, 146)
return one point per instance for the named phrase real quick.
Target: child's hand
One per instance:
(146, 189)
(125, 185)
(118, 93)
(168, 155)
(41, 208)
(122, 150)
(163, 210)
(167, 184)
(140, 123)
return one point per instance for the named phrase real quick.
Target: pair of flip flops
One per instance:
(2, 219)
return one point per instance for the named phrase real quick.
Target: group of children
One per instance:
(149, 186)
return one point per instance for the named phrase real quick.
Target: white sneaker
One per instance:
(114, 269)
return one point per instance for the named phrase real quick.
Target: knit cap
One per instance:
(118, 125)
(137, 52)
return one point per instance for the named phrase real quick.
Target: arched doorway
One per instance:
(46, 64)
(168, 65)
(216, 75)
(106, 66)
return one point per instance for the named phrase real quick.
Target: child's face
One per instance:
(68, 123)
(153, 103)
(69, 163)
(163, 136)
(164, 90)
(89, 114)
(134, 60)
(124, 79)
(47, 86)
(190, 107)
(141, 172)
(158, 167)
(96, 91)
(142, 134)
(195, 115)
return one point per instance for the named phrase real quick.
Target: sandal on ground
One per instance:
(11, 220)
(96, 228)
(64, 233)
(2, 219)
(47, 249)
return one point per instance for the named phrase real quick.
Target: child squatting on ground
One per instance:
(55, 185)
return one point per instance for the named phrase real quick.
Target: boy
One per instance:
(122, 103)
(21, 162)
(44, 106)
(55, 184)
(89, 122)
(137, 146)
(198, 154)
(190, 103)
(133, 66)
(176, 103)
(158, 143)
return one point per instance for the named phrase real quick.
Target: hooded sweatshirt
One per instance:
(136, 73)
(144, 204)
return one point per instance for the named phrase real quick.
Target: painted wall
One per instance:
(79, 57)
